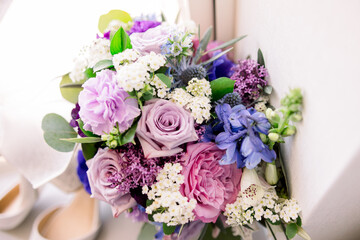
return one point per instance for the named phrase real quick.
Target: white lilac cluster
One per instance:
(240, 213)
(178, 43)
(133, 71)
(88, 56)
(168, 205)
(260, 106)
(195, 98)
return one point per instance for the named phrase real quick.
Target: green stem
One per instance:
(272, 233)
(285, 122)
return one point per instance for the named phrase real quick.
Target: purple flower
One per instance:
(75, 116)
(103, 104)
(151, 40)
(143, 26)
(240, 136)
(248, 74)
(221, 67)
(138, 214)
(81, 171)
(106, 35)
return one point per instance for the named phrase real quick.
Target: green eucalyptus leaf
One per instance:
(165, 79)
(83, 140)
(220, 87)
(72, 85)
(56, 127)
(260, 58)
(168, 230)
(89, 150)
(103, 64)
(87, 133)
(217, 56)
(129, 135)
(227, 44)
(120, 42)
(291, 230)
(203, 44)
(268, 89)
(147, 232)
(112, 15)
(69, 93)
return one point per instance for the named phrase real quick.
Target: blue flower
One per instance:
(221, 67)
(81, 171)
(240, 136)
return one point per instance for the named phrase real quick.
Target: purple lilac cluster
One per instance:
(74, 117)
(138, 171)
(200, 131)
(248, 75)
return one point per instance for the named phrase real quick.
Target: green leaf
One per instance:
(291, 230)
(147, 95)
(168, 230)
(217, 56)
(268, 89)
(69, 93)
(227, 44)
(163, 18)
(220, 224)
(120, 42)
(112, 15)
(147, 232)
(220, 87)
(260, 58)
(72, 85)
(89, 73)
(82, 140)
(129, 135)
(87, 133)
(203, 44)
(203, 231)
(56, 127)
(298, 221)
(103, 64)
(165, 79)
(89, 150)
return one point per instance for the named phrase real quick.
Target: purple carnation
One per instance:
(142, 26)
(103, 104)
(248, 74)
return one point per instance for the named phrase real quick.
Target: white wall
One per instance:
(315, 45)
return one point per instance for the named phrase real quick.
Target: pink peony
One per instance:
(163, 127)
(105, 164)
(212, 185)
(103, 104)
(151, 40)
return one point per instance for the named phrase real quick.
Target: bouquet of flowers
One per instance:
(175, 133)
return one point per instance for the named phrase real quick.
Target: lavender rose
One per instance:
(150, 40)
(105, 164)
(103, 104)
(212, 185)
(163, 127)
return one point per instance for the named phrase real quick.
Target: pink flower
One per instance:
(212, 185)
(163, 127)
(151, 40)
(103, 104)
(105, 164)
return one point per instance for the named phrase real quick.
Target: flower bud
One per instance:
(114, 131)
(272, 115)
(288, 131)
(105, 137)
(113, 144)
(301, 232)
(271, 174)
(273, 137)
(296, 117)
(263, 138)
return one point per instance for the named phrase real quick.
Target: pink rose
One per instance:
(105, 164)
(150, 40)
(163, 127)
(212, 185)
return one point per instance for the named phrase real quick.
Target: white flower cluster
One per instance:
(88, 56)
(115, 25)
(239, 213)
(261, 105)
(133, 71)
(195, 98)
(169, 206)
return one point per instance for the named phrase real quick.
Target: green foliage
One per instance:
(89, 73)
(89, 150)
(70, 93)
(203, 44)
(260, 58)
(227, 44)
(56, 127)
(220, 87)
(120, 42)
(147, 232)
(217, 56)
(226, 234)
(82, 140)
(103, 64)
(291, 230)
(87, 133)
(112, 15)
(129, 135)
(165, 79)
(168, 230)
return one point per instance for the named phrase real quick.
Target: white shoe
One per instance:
(16, 201)
(78, 221)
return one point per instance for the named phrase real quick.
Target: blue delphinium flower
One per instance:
(240, 136)
(81, 171)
